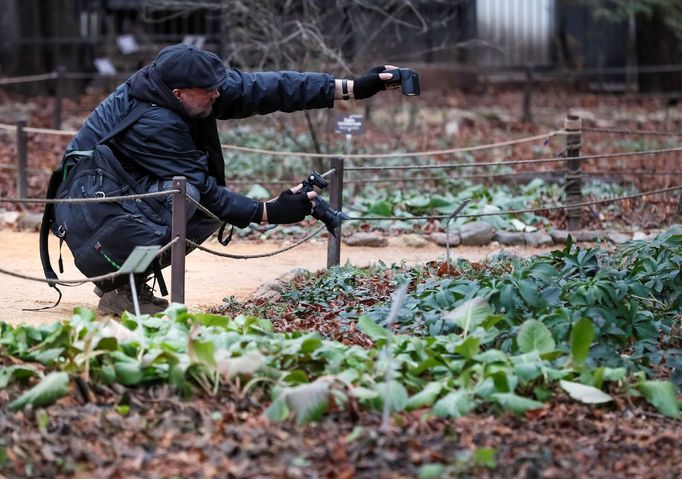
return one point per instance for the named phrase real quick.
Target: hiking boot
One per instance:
(121, 299)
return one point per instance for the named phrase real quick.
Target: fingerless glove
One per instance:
(288, 208)
(369, 84)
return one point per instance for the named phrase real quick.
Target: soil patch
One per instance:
(208, 278)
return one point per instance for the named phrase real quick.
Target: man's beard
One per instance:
(198, 114)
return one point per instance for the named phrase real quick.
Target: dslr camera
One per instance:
(407, 78)
(322, 211)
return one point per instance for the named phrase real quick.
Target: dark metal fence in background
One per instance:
(38, 36)
(506, 37)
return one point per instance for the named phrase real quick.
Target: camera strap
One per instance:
(221, 233)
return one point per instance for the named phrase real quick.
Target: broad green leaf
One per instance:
(128, 373)
(492, 356)
(176, 377)
(212, 320)
(176, 311)
(455, 404)
(527, 372)
(308, 401)
(661, 395)
(528, 290)
(381, 208)
(584, 393)
(469, 347)
(202, 352)
(296, 377)
(364, 394)
(47, 356)
(107, 374)
(533, 335)
(582, 335)
(504, 381)
(515, 403)
(393, 392)
(311, 344)
(113, 329)
(614, 374)
(491, 321)
(542, 394)
(469, 314)
(8, 373)
(278, 410)
(372, 329)
(106, 344)
(48, 390)
(247, 364)
(425, 397)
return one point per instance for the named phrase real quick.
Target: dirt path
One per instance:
(209, 279)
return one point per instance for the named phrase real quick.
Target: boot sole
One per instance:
(106, 308)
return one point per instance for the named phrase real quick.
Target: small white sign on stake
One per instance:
(127, 44)
(104, 66)
(194, 40)
(350, 124)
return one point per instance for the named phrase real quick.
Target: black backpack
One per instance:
(101, 235)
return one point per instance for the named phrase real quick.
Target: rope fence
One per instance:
(79, 281)
(261, 255)
(557, 159)
(572, 176)
(28, 78)
(104, 199)
(449, 151)
(526, 210)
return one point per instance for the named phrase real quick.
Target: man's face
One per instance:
(197, 101)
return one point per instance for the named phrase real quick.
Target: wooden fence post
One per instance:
(22, 160)
(527, 95)
(573, 177)
(58, 97)
(336, 202)
(179, 231)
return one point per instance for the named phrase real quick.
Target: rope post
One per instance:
(527, 94)
(58, 97)
(573, 176)
(336, 202)
(22, 160)
(179, 231)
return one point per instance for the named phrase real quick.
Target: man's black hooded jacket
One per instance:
(165, 142)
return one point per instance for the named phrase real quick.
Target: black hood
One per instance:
(146, 85)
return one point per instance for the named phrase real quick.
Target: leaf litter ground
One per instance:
(152, 434)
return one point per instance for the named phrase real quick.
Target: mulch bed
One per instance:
(227, 436)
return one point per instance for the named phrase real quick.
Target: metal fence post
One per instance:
(179, 231)
(573, 177)
(58, 97)
(336, 202)
(22, 160)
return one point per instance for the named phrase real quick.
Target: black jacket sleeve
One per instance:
(246, 94)
(160, 145)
